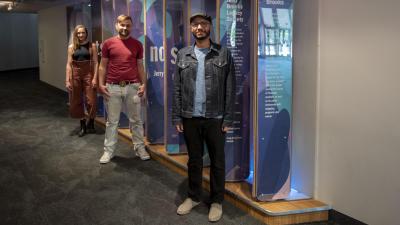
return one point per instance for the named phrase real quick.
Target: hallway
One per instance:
(48, 176)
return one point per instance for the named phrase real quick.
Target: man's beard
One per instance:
(202, 37)
(123, 33)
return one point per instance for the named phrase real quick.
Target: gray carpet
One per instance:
(48, 176)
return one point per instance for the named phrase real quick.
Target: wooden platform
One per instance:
(239, 193)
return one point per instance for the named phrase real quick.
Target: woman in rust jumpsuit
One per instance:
(81, 79)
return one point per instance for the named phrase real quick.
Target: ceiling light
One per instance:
(9, 4)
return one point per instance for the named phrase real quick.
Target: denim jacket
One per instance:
(220, 83)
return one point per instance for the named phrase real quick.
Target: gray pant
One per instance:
(123, 97)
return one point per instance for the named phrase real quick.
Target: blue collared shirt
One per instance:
(200, 92)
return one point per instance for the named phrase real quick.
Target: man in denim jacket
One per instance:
(202, 108)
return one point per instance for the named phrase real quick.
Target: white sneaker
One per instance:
(107, 156)
(142, 153)
(186, 206)
(215, 213)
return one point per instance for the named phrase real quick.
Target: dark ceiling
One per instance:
(33, 6)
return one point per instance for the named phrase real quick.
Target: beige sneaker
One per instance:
(142, 153)
(106, 157)
(186, 206)
(215, 213)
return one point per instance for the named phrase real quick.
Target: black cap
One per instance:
(202, 15)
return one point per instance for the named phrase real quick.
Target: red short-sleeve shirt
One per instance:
(122, 58)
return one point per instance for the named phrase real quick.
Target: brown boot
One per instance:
(82, 132)
(90, 127)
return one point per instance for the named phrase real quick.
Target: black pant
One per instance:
(198, 131)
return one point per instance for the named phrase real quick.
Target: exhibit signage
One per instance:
(174, 35)
(136, 13)
(273, 92)
(154, 50)
(108, 19)
(235, 34)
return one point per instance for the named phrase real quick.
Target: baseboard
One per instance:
(340, 218)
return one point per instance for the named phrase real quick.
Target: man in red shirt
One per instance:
(122, 83)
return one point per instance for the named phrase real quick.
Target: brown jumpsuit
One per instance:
(82, 95)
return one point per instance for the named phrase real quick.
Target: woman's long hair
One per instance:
(75, 40)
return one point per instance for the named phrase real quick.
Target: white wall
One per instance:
(305, 75)
(358, 145)
(18, 41)
(53, 43)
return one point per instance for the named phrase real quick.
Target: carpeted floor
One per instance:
(48, 176)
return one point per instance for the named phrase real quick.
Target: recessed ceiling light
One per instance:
(3, 3)
(6, 4)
